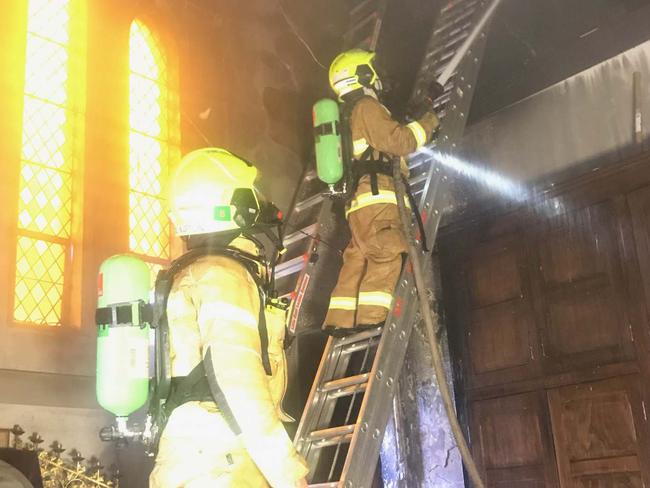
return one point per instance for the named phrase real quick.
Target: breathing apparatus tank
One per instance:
(327, 134)
(123, 320)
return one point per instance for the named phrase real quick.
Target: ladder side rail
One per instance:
(381, 11)
(304, 426)
(308, 267)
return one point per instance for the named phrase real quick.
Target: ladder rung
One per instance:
(417, 161)
(454, 5)
(347, 391)
(451, 24)
(360, 24)
(360, 6)
(300, 234)
(359, 346)
(290, 267)
(333, 484)
(418, 179)
(361, 336)
(336, 434)
(331, 432)
(344, 439)
(309, 202)
(345, 382)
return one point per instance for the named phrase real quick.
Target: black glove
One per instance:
(435, 90)
(418, 109)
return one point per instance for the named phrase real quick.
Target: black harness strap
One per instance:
(217, 394)
(193, 387)
(201, 383)
(367, 166)
(264, 335)
(122, 314)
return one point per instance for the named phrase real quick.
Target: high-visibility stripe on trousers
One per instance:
(367, 199)
(371, 266)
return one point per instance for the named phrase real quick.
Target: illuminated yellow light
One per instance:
(45, 192)
(39, 281)
(46, 75)
(149, 144)
(50, 19)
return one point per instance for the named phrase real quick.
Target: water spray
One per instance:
(492, 180)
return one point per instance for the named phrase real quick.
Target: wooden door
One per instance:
(600, 436)
(513, 443)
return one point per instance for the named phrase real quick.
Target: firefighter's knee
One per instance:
(387, 242)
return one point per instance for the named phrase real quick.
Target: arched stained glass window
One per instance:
(153, 143)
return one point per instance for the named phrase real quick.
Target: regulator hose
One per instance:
(415, 256)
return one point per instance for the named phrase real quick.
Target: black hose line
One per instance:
(430, 323)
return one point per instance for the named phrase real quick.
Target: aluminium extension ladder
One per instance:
(342, 427)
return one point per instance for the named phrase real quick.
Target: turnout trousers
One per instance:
(371, 267)
(199, 450)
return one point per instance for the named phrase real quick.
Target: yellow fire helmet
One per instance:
(213, 191)
(351, 71)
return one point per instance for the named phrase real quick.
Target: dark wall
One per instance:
(248, 82)
(533, 45)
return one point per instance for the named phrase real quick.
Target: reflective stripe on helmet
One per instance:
(418, 132)
(343, 303)
(375, 299)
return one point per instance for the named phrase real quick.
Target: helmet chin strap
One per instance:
(371, 92)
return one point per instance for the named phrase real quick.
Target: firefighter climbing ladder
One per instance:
(362, 398)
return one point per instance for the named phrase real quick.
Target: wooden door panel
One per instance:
(501, 332)
(639, 203)
(528, 477)
(512, 441)
(582, 322)
(580, 293)
(615, 480)
(494, 275)
(597, 429)
(571, 250)
(499, 337)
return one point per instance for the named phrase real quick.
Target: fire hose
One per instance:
(431, 324)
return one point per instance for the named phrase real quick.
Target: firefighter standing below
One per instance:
(373, 259)
(214, 312)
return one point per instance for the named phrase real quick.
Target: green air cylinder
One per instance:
(327, 132)
(123, 348)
